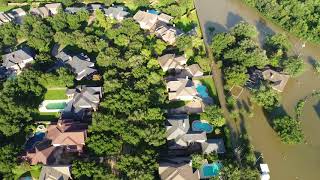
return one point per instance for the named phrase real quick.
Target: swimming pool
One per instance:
(37, 137)
(56, 105)
(210, 170)
(153, 11)
(202, 90)
(201, 126)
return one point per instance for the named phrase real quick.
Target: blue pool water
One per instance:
(201, 126)
(37, 137)
(202, 90)
(210, 170)
(153, 11)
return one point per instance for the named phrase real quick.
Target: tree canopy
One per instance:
(289, 130)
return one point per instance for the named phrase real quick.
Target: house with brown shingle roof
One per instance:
(278, 80)
(146, 20)
(172, 62)
(181, 89)
(167, 33)
(177, 168)
(55, 173)
(69, 134)
(42, 153)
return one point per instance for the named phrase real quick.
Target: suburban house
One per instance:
(43, 153)
(69, 134)
(167, 33)
(17, 60)
(278, 80)
(194, 70)
(181, 89)
(55, 173)
(47, 10)
(73, 10)
(158, 24)
(146, 20)
(117, 13)
(15, 14)
(172, 62)
(180, 136)
(95, 6)
(80, 64)
(177, 168)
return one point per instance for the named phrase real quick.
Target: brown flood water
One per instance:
(286, 162)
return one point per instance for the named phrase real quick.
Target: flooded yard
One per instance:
(285, 161)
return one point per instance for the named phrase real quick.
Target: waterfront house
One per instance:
(177, 168)
(181, 89)
(278, 80)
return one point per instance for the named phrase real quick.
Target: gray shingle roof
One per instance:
(116, 12)
(213, 145)
(55, 173)
(16, 57)
(87, 97)
(80, 64)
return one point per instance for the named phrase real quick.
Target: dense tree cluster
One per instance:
(299, 17)
(213, 114)
(266, 97)
(289, 130)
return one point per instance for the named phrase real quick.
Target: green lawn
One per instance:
(176, 104)
(4, 8)
(46, 116)
(208, 82)
(55, 94)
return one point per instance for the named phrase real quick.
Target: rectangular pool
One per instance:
(56, 105)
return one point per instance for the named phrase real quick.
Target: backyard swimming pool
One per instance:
(202, 90)
(57, 105)
(201, 126)
(37, 137)
(153, 11)
(210, 170)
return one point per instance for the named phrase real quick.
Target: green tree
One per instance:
(104, 144)
(289, 130)
(90, 170)
(220, 42)
(236, 75)
(213, 114)
(197, 160)
(8, 160)
(294, 66)
(184, 43)
(138, 167)
(43, 61)
(266, 97)
(159, 47)
(244, 30)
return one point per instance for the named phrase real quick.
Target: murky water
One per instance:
(286, 162)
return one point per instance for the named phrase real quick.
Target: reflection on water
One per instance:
(285, 161)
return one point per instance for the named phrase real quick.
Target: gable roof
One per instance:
(16, 57)
(279, 80)
(177, 125)
(212, 145)
(116, 12)
(145, 19)
(67, 132)
(55, 173)
(167, 33)
(42, 153)
(80, 64)
(181, 88)
(165, 18)
(176, 169)
(86, 97)
(170, 61)
(194, 70)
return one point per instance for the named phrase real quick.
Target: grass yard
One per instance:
(55, 94)
(208, 82)
(176, 104)
(4, 8)
(46, 116)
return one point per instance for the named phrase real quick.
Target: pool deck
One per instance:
(42, 107)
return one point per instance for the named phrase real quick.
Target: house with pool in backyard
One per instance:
(184, 135)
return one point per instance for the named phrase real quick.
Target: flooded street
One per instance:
(286, 162)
